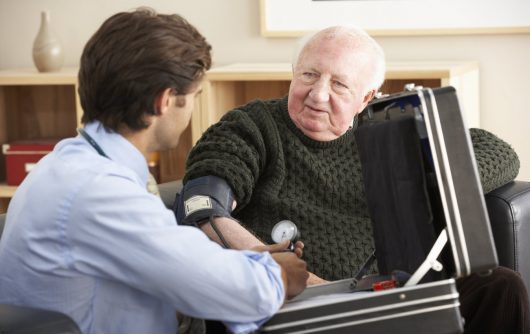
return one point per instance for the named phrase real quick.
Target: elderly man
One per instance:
(296, 158)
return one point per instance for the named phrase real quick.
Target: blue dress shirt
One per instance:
(84, 237)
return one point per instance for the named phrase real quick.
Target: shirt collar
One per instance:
(118, 149)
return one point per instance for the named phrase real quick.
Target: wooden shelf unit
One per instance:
(35, 105)
(39, 105)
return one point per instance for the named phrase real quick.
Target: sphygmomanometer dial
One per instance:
(284, 230)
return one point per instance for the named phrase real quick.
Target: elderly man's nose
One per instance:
(320, 91)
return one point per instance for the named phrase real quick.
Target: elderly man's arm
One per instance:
(238, 151)
(240, 238)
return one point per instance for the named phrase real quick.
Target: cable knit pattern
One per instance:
(276, 173)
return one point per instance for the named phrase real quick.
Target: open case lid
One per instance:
(446, 141)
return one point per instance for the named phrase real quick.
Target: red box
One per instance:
(21, 156)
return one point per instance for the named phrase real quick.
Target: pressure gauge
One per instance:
(285, 230)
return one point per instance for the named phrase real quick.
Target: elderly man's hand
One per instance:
(314, 279)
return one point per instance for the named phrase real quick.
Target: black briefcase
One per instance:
(427, 207)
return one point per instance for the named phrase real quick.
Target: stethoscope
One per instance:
(92, 142)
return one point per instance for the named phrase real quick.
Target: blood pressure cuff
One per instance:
(203, 198)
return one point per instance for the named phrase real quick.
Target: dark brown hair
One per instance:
(131, 59)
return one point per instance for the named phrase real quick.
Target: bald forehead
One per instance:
(347, 46)
(342, 53)
(341, 36)
(334, 41)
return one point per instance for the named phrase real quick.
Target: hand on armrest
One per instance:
(314, 279)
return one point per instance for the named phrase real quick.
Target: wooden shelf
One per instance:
(34, 104)
(6, 191)
(30, 76)
(251, 72)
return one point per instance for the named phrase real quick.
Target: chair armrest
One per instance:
(168, 191)
(509, 212)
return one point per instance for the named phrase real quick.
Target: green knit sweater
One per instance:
(276, 173)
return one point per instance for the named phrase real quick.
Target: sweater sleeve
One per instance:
(497, 162)
(231, 149)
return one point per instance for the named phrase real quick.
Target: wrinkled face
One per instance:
(328, 88)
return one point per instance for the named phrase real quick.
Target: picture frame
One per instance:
(293, 18)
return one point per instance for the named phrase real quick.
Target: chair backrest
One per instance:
(2, 223)
(17, 319)
(168, 191)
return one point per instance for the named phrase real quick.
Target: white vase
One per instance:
(47, 49)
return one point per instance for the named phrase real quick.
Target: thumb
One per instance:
(272, 248)
(281, 246)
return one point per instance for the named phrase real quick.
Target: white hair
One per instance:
(369, 51)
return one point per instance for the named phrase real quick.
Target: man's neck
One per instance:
(139, 139)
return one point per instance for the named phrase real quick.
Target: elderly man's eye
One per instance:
(309, 77)
(340, 84)
(340, 88)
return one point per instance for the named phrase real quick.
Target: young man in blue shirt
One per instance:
(84, 237)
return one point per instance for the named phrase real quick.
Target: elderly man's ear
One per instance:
(369, 96)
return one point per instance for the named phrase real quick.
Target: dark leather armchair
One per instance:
(509, 211)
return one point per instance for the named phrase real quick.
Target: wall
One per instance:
(232, 27)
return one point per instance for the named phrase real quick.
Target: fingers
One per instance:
(281, 247)
(299, 249)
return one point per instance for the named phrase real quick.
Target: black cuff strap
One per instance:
(202, 198)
